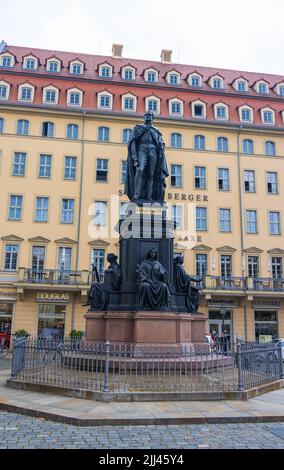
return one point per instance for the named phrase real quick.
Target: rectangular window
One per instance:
(67, 211)
(19, 164)
(241, 86)
(26, 94)
(51, 321)
(221, 112)
(276, 265)
(153, 106)
(151, 77)
(274, 223)
(173, 79)
(50, 96)
(122, 210)
(177, 217)
(272, 186)
(123, 171)
(98, 261)
(223, 179)
(201, 218)
(246, 115)
(262, 88)
(128, 74)
(268, 117)
(38, 257)
(176, 179)
(11, 257)
(106, 72)
(102, 170)
(225, 220)
(253, 266)
(198, 110)
(200, 177)
(226, 265)
(175, 108)
(64, 260)
(249, 177)
(6, 62)
(30, 64)
(281, 90)
(44, 166)
(105, 101)
(195, 81)
(266, 325)
(76, 69)
(100, 213)
(129, 103)
(70, 168)
(53, 67)
(201, 265)
(15, 207)
(41, 210)
(251, 221)
(74, 98)
(3, 92)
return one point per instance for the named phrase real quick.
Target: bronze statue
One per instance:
(185, 283)
(146, 164)
(98, 293)
(153, 291)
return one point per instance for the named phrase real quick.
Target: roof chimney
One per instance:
(3, 45)
(117, 51)
(166, 55)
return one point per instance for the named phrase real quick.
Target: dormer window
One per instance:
(105, 71)
(151, 75)
(50, 95)
(74, 97)
(216, 82)
(173, 78)
(7, 61)
(221, 111)
(128, 73)
(26, 92)
(261, 87)
(280, 89)
(153, 104)
(198, 109)
(53, 65)
(76, 68)
(194, 80)
(241, 85)
(105, 100)
(245, 114)
(129, 102)
(176, 107)
(268, 116)
(30, 63)
(4, 90)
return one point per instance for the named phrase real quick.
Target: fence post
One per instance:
(280, 361)
(239, 365)
(106, 350)
(18, 356)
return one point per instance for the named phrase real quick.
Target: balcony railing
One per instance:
(266, 284)
(53, 277)
(228, 283)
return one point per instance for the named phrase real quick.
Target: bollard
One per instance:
(280, 361)
(18, 356)
(239, 365)
(106, 351)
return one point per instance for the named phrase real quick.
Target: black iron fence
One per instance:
(109, 367)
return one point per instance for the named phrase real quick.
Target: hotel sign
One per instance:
(52, 297)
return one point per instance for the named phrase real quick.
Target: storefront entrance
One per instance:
(6, 313)
(217, 325)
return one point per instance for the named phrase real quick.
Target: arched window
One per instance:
(126, 135)
(222, 144)
(103, 135)
(47, 129)
(199, 142)
(176, 140)
(72, 131)
(270, 148)
(248, 146)
(1, 125)
(23, 127)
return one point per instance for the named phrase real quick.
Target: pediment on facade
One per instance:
(65, 241)
(179, 246)
(202, 248)
(99, 242)
(39, 240)
(11, 238)
(253, 249)
(276, 251)
(226, 249)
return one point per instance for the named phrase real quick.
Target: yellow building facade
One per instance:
(60, 200)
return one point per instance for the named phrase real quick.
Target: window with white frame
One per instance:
(198, 109)
(201, 264)
(173, 78)
(271, 181)
(105, 100)
(176, 107)
(249, 180)
(246, 114)
(270, 148)
(105, 71)
(26, 93)
(128, 102)
(248, 146)
(23, 127)
(41, 209)
(262, 87)
(19, 164)
(195, 80)
(123, 174)
(201, 219)
(268, 116)
(152, 104)
(280, 89)
(1, 125)
(74, 97)
(11, 257)
(76, 68)
(126, 135)
(122, 210)
(4, 90)
(223, 179)
(50, 95)
(100, 213)
(103, 134)
(151, 75)
(222, 144)
(15, 207)
(72, 131)
(44, 170)
(241, 85)
(274, 223)
(176, 140)
(216, 82)
(199, 142)
(70, 166)
(177, 216)
(225, 220)
(47, 129)
(221, 111)
(7, 61)
(102, 170)
(67, 211)
(176, 176)
(53, 65)
(200, 177)
(128, 73)
(30, 63)
(251, 221)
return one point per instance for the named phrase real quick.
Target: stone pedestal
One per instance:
(161, 330)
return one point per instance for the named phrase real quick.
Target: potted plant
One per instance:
(21, 333)
(76, 337)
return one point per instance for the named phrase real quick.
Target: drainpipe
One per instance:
(79, 212)
(241, 222)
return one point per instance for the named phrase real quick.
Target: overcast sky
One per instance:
(240, 34)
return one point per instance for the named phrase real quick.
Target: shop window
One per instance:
(51, 321)
(266, 325)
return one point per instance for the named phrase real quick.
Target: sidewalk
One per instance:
(79, 412)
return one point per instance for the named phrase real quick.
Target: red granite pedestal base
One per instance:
(164, 330)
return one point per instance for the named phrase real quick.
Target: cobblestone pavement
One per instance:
(18, 431)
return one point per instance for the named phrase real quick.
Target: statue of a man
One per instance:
(153, 291)
(187, 284)
(98, 293)
(146, 164)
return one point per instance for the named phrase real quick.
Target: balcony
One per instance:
(228, 283)
(242, 285)
(267, 284)
(53, 277)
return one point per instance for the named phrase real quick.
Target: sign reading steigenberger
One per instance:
(52, 297)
